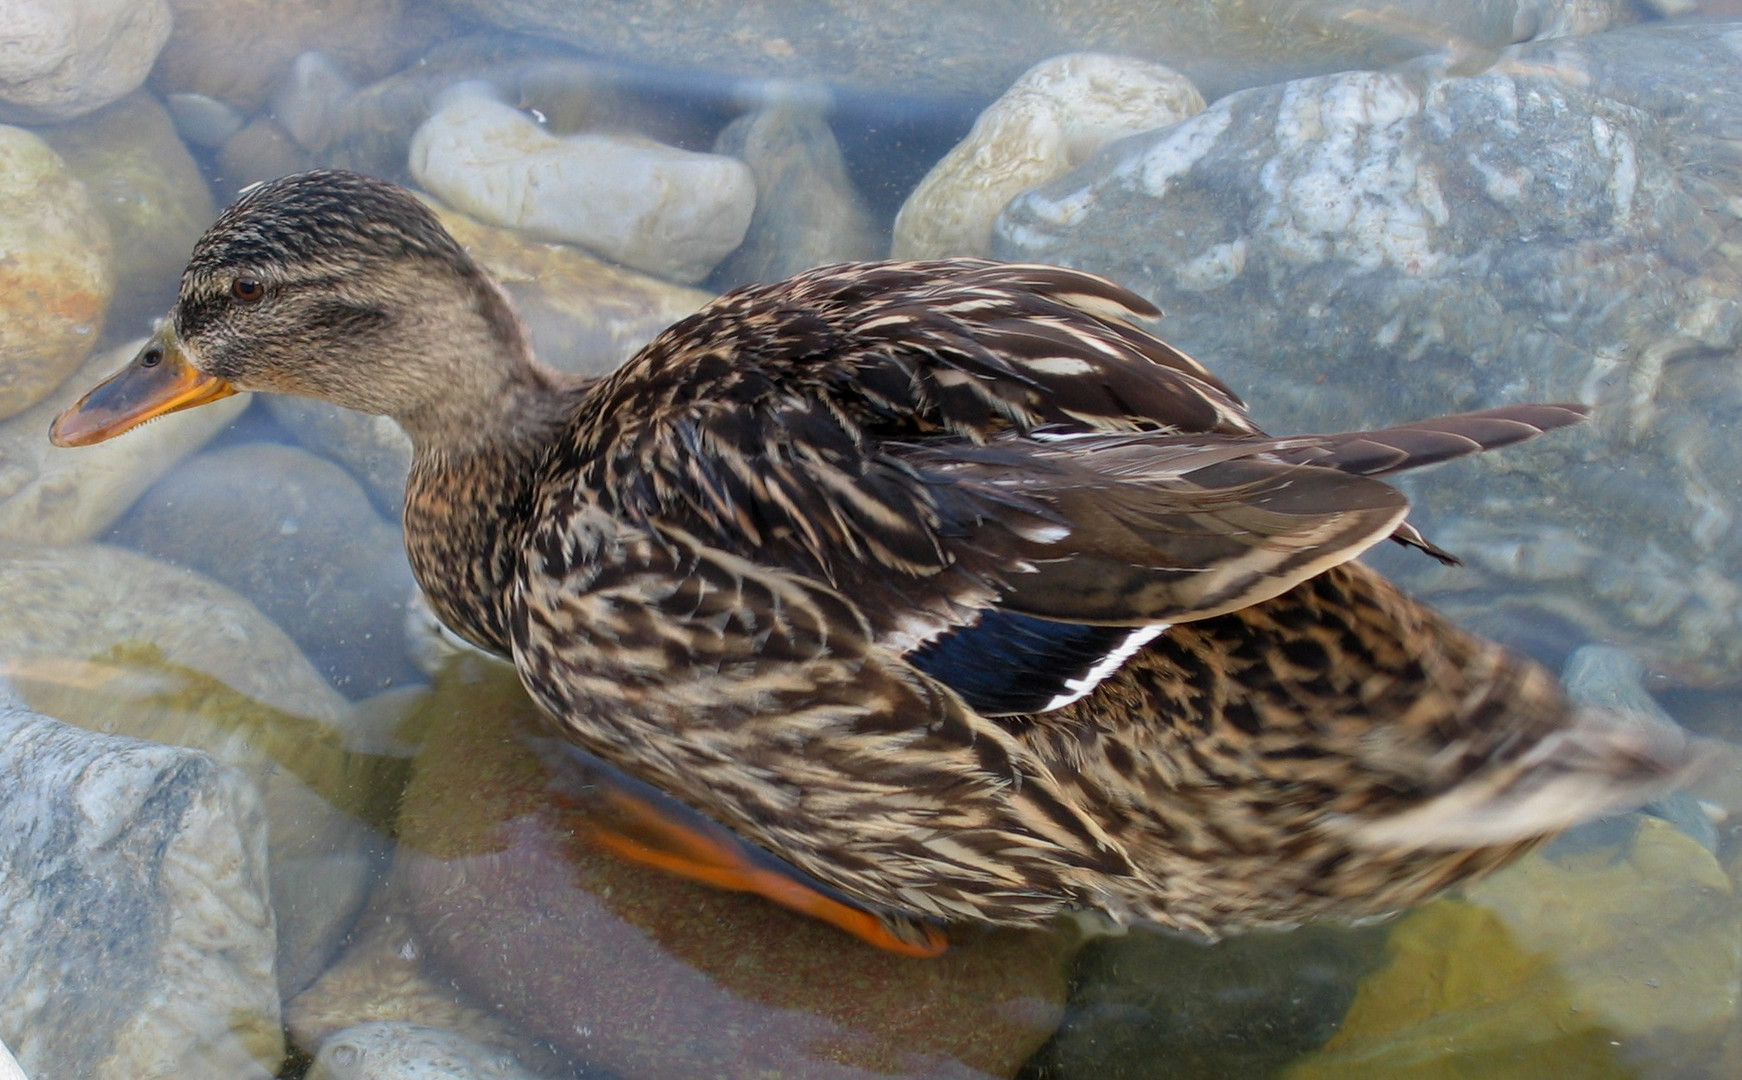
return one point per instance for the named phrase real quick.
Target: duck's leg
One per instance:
(642, 825)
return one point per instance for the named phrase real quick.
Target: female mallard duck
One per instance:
(942, 582)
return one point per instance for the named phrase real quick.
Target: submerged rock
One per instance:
(236, 51)
(1582, 961)
(299, 538)
(386, 1051)
(975, 48)
(807, 211)
(57, 274)
(261, 150)
(117, 642)
(1151, 1005)
(1372, 247)
(383, 980)
(638, 972)
(134, 906)
(51, 495)
(64, 58)
(1060, 112)
(670, 212)
(204, 121)
(149, 189)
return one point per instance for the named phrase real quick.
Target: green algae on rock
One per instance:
(120, 643)
(1567, 964)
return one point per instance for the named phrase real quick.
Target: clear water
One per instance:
(1616, 953)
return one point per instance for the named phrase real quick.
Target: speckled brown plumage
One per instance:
(944, 582)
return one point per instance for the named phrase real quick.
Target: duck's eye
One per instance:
(247, 289)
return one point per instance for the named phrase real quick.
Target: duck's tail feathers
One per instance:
(1604, 762)
(1429, 442)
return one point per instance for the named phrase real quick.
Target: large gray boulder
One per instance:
(1371, 247)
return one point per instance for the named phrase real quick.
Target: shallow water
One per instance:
(1485, 223)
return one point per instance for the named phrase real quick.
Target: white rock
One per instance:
(9, 1069)
(62, 58)
(399, 1051)
(134, 906)
(669, 212)
(1061, 111)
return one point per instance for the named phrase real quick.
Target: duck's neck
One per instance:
(471, 489)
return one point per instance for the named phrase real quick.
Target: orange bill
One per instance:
(157, 382)
(642, 825)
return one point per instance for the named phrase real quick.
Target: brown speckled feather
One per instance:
(944, 582)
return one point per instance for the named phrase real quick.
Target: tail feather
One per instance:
(1603, 762)
(1429, 442)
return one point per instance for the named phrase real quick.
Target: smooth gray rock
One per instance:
(297, 536)
(63, 58)
(1372, 247)
(204, 121)
(371, 448)
(672, 213)
(1060, 112)
(976, 48)
(56, 495)
(309, 98)
(371, 132)
(123, 644)
(398, 1051)
(807, 210)
(134, 906)
(1150, 1005)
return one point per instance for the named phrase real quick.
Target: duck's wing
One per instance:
(762, 697)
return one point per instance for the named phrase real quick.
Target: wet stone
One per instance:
(308, 99)
(1552, 227)
(976, 48)
(57, 274)
(133, 900)
(411, 1052)
(672, 213)
(1156, 1006)
(50, 495)
(1060, 112)
(634, 971)
(262, 150)
(383, 981)
(64, 58)
(807, 211)
(298, 537)
(236, 51)
(119, 643)
(149, 189)
(203, 121)
(1601, 952)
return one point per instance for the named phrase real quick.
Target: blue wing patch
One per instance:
(1008, 664)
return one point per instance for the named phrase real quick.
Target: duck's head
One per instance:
(325, 284)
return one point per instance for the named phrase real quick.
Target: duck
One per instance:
(918, 596)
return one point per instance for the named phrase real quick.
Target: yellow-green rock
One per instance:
(1575, 965)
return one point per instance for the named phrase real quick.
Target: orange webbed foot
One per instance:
(640, 824)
